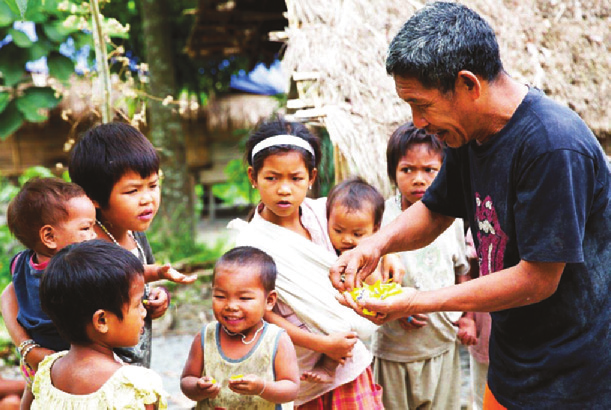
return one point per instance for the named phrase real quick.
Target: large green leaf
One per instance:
(82, 39)
(23, 7)
(55, 31)
(4, 100)
(39, 49)
(44, 96)
(10, 120)
(20, 38)
(35, 101)
(60, 66)
(6, 15)
(12, 63)
(30, 109)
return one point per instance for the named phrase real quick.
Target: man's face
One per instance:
(446, 115)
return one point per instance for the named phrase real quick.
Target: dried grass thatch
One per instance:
(561, 46)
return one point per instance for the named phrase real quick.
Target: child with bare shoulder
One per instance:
(240, 360)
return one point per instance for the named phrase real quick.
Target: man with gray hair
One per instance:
(533, 182)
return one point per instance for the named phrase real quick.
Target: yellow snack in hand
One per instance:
(236, 377)
(378, 290)
(213, 380)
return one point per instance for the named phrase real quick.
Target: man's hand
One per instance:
(391, 308)
(355, 265)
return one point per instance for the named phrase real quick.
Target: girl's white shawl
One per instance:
(303, 277)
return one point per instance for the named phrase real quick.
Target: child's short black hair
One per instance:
(355, 194)
(105, 153)
(402, 139)
(249, 257)
(83, 278)
(40, 202)
(279, 126)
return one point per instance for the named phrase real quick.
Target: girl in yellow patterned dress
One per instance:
(92, 291)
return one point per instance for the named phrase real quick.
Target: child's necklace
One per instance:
(243, 335)
(112, 238)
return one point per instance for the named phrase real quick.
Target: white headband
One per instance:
(282, 140)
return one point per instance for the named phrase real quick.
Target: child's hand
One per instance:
(157, 303)
(167, 272)
(412, 322)
(249, 385)
(392, 268)
(339, 346)
(467, 332)
(208, 387)
(35, 356)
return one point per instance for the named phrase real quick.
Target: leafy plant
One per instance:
(55, 23)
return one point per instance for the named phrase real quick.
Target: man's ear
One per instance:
(47, 236)
(468, 82)
(271, 299)
(100, 321)
(251, 177)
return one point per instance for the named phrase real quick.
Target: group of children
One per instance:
(280, 337)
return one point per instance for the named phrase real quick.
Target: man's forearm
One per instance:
(521, 285)
(415, 228)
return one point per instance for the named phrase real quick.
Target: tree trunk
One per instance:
(176, 212)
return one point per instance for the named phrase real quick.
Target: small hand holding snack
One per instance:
(157, 302)
(208, 387)
(249, 385)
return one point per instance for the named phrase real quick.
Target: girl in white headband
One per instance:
(283, 158)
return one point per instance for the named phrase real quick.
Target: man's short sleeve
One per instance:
(446, 195)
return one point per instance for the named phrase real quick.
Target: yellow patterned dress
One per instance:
(131, 387)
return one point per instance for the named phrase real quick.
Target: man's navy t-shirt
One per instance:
(539, 191)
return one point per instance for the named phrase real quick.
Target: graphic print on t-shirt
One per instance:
(492, 239)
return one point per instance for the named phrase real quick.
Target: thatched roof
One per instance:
(339, 47)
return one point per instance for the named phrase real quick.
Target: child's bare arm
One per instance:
(337, 346)
(10, 309)
(286, 386)
(192, 384)
(159, 272)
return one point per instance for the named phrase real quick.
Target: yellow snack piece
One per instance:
(236, 377)
(213, 380)
(378, 290)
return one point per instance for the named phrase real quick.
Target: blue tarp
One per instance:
(261, 80)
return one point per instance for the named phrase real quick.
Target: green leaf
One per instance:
(6, 15)
(35, 101)
(4, 100)
(55, 31)
(30, 111)
(60, 66)
(82, 39)
(44, 96)
(23, 7)
(10, 120)
(12, 64)
(39, 49)
(20, 38)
